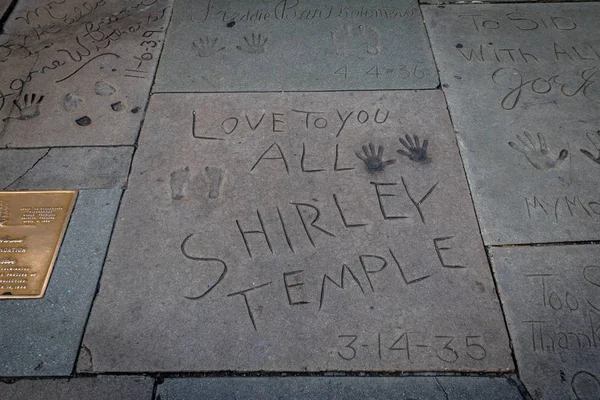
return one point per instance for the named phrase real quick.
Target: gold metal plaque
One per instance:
(32, 226)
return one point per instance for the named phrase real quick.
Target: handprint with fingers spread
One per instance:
(414, 150)
(254, 44)
(595, 139)
(540, 158)
(208, 46)
(374, 161)
(30, 107)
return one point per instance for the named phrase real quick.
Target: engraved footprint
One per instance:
(215, 179)
(371, 38)
(179, 183)
(342, 38)
(71, 102)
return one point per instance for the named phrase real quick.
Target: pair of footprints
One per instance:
(346, 37)
(540, 157)
(254, 44)
(415, 151)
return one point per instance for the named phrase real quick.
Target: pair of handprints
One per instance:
(210, 46)
(538, 154)
(413, 149)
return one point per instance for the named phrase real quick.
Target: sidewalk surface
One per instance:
(297, 199)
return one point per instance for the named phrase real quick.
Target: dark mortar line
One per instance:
(160, 376)
(304, 91)
(111, 235)
(520, 387)
(477, 220)
(68, 147)
(545, 244)
(154, 389)
(510, 339)
(442, 388)
(164, 41)
(428, 40)
(6, 14)
(29, 169)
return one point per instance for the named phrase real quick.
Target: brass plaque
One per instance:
(32, 226)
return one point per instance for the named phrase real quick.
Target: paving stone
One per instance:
(521, 84)
(304, 388)
(96, 388)
(225, 46)
(468, 388)
(202, 289)
(65, 168)
(307, 388)
(551, 300)
(80, 80)
(42, 336)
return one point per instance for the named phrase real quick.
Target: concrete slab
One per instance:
(265, 242)
(89, 81)
(229, 46)
(97, 388)
(65, 168)
(351, 388)
(550, 297)
(479, 388)
(520, 81)
(42, 337)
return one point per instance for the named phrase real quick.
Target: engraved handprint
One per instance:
(208, 46)
(416, 151)
(30, 107)
(374, 162)
(256, 45)
(540, 158)
(595, 139)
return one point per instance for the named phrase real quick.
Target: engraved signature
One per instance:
(512, 79)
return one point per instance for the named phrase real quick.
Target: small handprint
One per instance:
(416, 151)
(374, 162)
(30, 107)
(208, 46)
(540, 158)
(256, 45)
(595, 139)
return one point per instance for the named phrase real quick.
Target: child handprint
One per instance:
(208, 46)
(256, 45)
(374, 162)
(415, 152)
(30, 107)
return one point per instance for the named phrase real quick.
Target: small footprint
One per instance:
(179, 182)
(72, 102)
(215, 178)
(371, 39)
(104, 88)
